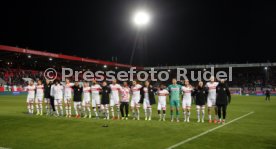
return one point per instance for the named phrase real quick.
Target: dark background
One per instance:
(181, 31)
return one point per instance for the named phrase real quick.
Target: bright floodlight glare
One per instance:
(141, 18)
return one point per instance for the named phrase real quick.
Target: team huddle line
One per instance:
(114, 98)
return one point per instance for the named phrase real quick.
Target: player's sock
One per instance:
(107, 113)
(46, 108)
(177, 115)
(66, 110)
(37, 108)
(133, 113)
(95, 111)
(172, 115)
(76, 112)
(146, 113)
(164, 115)
(69, 110)
(188, 116)
(84, 110)
(112, 111)
(99, 110)
(57, 110)
(29, 108)
(118, 112)
(203, 113)
(210, 117)
(32, 109)
(138, 115)
(41, 108)
(88, 111)
(150, 113)
(61, 110)
(185, 117)
(198, 114)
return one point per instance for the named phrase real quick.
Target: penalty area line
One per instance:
(208, 131)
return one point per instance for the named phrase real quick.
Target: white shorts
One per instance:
(202, 107)
(30, 100)
(186, 103)
(77, 104)
(58, 102)
(135, 102)
(104, 107)
(46, 100)
(38, 100)
(114, 101)
(96, 99)
(146, 103)
(67, 99)
(161, 105)
(85, 102)
(211, 101)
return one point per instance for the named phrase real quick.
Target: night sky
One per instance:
(181, 32)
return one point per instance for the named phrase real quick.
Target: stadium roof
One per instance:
(63, 56)
(246, 65)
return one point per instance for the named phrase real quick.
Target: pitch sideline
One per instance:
(208, 131)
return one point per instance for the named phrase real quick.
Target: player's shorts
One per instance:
(175, 103)
(58, 102)
(161, 105)
(114, 101)
(30, 100)
(186, 103)
(146, 103)
(106, 106)
(77, 104)
(46, 100)
(96, 100)
(86, 102)
(135, 102)
(38, 99)
(200, 106)
(67, 99)
(211, 101)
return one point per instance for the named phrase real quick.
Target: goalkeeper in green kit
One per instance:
(175, 90)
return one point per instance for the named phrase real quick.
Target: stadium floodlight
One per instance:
(141, 18)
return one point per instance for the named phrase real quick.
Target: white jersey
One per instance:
(68, 90)
(187, 92)
(125, 94)
(31, 91)
(86, 93)
(146, 93)
(162, 95)
(39, 91)
(57, 91)
(136, 91)
(95, 90)
(115, 88)
(212, 89)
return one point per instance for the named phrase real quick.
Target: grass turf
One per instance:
(19, 130)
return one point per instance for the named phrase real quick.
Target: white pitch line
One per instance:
(208, 131)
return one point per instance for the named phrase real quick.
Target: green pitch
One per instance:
(19, 130)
